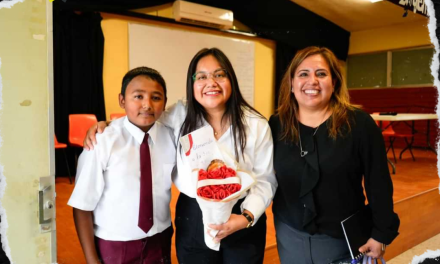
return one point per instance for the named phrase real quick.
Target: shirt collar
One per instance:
(138, 134)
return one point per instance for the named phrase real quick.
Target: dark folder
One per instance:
(357, 230)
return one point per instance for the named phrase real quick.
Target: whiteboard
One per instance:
(170, 51)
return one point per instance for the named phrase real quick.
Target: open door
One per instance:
(26, 130)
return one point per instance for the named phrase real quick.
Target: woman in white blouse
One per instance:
(214, 98)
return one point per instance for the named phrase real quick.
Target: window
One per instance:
(412, 67)
(390, 69)
(367, 70)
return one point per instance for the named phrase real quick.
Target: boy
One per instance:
(123, 187)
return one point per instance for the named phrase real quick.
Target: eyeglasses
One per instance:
(219, 76)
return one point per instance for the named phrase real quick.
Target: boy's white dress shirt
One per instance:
(108, 180)
(258, 155)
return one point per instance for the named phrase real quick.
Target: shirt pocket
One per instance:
(167, 174)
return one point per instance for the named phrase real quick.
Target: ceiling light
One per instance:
(374, 1)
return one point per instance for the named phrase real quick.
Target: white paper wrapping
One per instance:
(214, 213)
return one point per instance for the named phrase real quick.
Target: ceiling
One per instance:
(357, 15)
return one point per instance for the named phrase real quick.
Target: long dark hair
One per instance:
(235, 106)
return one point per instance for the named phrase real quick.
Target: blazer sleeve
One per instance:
(378, 183)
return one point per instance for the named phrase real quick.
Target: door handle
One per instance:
(46, 205)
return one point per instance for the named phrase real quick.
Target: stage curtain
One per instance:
(78, 62)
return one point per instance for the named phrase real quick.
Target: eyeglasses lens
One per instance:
(218, 76)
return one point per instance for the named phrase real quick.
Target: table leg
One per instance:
(428, 141)
(392, 165)
(409, 144)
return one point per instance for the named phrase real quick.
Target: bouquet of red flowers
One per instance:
(218, 190)
(218, 182)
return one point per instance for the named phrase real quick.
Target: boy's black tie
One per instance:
(146, 194)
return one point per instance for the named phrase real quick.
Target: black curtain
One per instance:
(284, 54)
(78, 61)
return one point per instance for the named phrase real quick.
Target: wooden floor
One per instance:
(410, 180)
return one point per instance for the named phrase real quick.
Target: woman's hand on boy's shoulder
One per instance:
(90, 139)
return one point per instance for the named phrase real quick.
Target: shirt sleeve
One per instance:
(261, 194)
(173, 117)
(378, 184)
(89, 181)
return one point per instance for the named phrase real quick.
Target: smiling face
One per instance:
(212, 95)
(144, 102)
(312, 83)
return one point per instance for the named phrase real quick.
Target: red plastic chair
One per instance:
(78, 126)
(116, 115)
(393, 135)
(63, 147)
(389, 133)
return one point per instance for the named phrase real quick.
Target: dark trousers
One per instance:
(150, 250)
(296, 247)
(245, 246)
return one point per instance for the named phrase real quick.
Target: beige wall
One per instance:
(399, 36)
(115, 30)
(26, 126)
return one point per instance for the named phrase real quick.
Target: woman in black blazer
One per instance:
(324, 148)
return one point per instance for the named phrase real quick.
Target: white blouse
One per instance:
(258, 158)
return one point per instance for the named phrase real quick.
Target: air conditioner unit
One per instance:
(197, 14)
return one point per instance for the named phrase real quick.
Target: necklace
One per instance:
(223, 128)
(302, 152)
(216, 133)
(219, 132)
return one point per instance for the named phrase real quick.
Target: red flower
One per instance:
(215, 188)
(205, 192)
(216, 174)
(229, 172)
(221, 194)
(203, 175)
